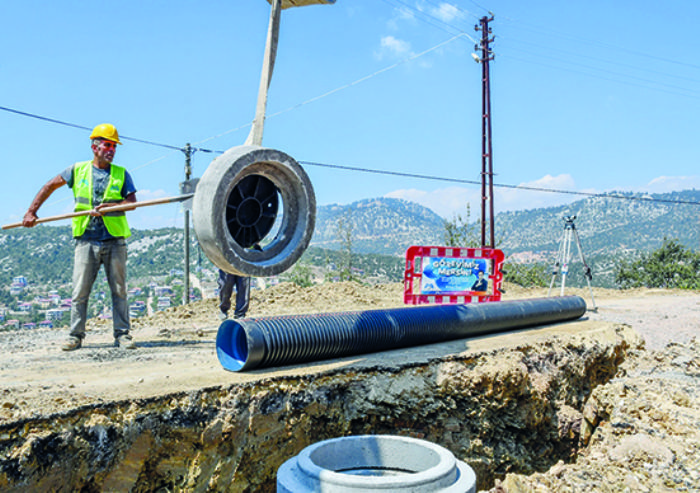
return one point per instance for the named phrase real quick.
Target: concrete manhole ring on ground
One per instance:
(253, 195)
(375, 464)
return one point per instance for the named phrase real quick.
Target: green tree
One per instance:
(526, 275)
(301, 275)
(670, 266)
(459, 232)
(343, 232)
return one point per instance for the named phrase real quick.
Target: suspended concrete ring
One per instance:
(252, 196)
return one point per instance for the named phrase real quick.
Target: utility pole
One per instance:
(188, 172)
(486, 146)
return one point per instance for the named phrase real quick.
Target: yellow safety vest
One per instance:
(115, 222)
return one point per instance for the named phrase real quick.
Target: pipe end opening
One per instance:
(231, 346)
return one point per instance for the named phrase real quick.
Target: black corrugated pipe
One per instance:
(278, 341)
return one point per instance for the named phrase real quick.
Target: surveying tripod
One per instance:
(561, 264)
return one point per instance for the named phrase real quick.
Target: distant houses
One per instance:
(137, 308)
(55, 314)
(55, 298)
(44, 303)
(163, 291)
(19, 281)
(18, 285)
(51, 304)
(56, 310)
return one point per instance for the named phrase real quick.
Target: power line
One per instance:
(346, 86)
(457, 8)
(379, 172)
(590, 70)
(425, 17)
(616, 62)
(619, 81)
(82, 127)
(546, 31)
(299, 105)
(412, 57)
(550, 32)
(500, 185)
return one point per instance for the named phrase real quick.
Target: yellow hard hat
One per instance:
(105, 131)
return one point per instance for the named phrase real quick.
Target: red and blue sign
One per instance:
(436, 275)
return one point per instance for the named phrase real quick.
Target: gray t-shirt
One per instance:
(96, 229)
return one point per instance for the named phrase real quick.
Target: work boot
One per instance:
(125, 342)
(72, 344)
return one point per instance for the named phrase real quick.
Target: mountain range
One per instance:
(608, 229)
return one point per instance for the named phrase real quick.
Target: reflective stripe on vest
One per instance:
(115, 222)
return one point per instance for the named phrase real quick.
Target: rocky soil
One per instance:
(640, 431)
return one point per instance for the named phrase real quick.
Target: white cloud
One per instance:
(446, 12)
(401, 14)
(663, 184)
(449, 201)
(445, 202)
(513, 199)
(391, 47)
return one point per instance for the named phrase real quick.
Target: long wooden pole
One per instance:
(113, 208)
(255, 136)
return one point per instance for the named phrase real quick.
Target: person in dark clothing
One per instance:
(481, 284)
(226, 283)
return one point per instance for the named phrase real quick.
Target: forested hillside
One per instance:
(605, 224)
(383, 226)
(44, 253)
(609, 228)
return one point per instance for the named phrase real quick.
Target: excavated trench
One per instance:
(512, 409)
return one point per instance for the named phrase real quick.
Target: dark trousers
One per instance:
(226, 283)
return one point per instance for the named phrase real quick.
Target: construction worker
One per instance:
(100, 239)
(226, 283)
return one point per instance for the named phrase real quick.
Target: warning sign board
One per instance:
(437, 275)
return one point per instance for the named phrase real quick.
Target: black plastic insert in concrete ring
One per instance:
(251, 210)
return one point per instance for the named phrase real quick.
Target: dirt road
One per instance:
(177, 351)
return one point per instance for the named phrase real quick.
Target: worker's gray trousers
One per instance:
(89, 256)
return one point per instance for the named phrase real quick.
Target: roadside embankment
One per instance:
(564, 407)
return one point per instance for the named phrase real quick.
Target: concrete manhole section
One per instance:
(254, 196)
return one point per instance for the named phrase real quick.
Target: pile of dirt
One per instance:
(647, 434)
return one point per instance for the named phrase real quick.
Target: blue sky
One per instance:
(589, 96)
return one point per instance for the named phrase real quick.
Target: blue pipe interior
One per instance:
(231, 346)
